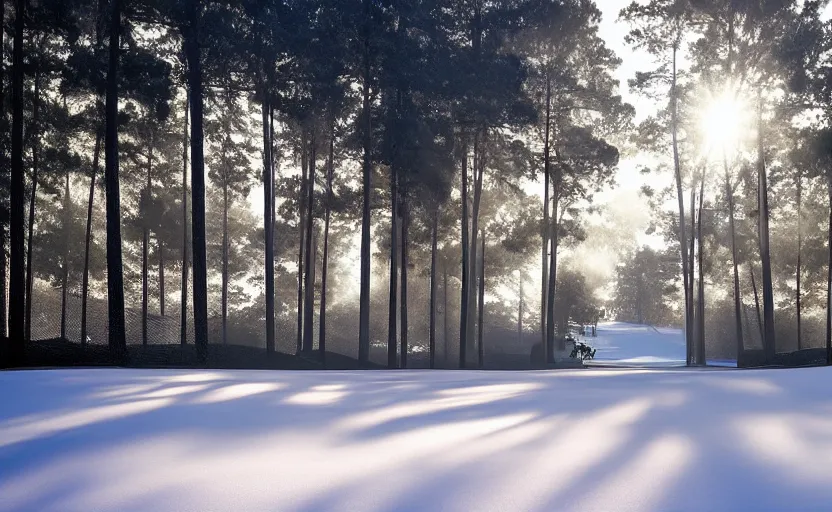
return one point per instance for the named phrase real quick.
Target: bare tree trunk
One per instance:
(183, 321)
(115, 278)
(756, 302)
(192, 52)
(768, 293)
(17, 191)
(691, 269)
(161, 249)
(392, 311)
(445, 336)
(273, 151)
(405, 227)
(475, 217)
(146, 243)
(553, 262)
(679, 194)
(364, 298)
(520, 312)
(328, 213)
(268, 220)
(224, 299)
(700, 341)
(31, 227)
(463, 309)
(302, 235)
(85, 279)
(309, 256)
(829, 280)
(5, 218)
(544, 282)
(799, 254)
(432, 335)
(737, 298)
(65, 257)
(480, 348)
(3, 276)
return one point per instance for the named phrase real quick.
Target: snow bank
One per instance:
(595, 440)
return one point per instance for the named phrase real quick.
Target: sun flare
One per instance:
(723, 120)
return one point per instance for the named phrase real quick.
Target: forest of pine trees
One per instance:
(412, 182)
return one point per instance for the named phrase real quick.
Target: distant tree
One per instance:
(230, 171)
(645, 287)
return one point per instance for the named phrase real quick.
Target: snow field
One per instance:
(582, 440)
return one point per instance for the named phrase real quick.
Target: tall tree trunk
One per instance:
(192, 53)
(85, 278)
(364, 298)
(160, 248)
(302, 235)
(799, 254)
(478, 162)
(700, 341)
(392, 311)
(756, 303)
(520, 312)
(445, 336)
(679, 194)
(481, 304)
(5, 218)
(65, 257)
(550, 290)
(737, 298)
(224, 299)
(146, 243)
(309, 257)
(553, 267)
(183, 319)
(330, 171)
(30, 278)
(544, 282)
(268, 226)
(405, 227)
(691, 279)
(29, 246)
(765, 256)
(115, 278)
(273, 152)
(17, 194)
(3, 276)
(829, 279)
(463, 308)
(432, 334)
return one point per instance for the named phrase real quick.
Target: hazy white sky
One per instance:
(613, 32)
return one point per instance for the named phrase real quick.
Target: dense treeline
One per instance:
(309, 177)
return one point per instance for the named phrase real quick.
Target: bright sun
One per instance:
(722, 123)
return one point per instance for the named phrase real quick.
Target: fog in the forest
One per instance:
(503, 170)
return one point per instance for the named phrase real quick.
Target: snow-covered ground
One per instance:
(596, 440)
(638, 345)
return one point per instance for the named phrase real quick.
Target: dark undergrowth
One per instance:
(798, 358)
(62, 353)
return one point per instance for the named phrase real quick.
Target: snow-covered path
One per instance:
(595, 440)
(638, 345)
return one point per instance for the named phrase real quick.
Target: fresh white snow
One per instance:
(583, 440)
(643, 346)
(638, 345)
